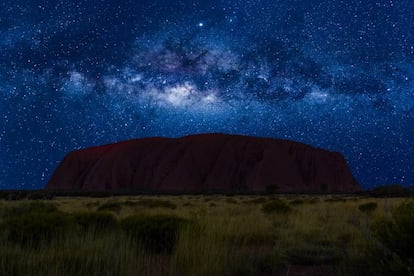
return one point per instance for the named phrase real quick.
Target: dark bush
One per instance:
(130, 203)
(276, 206)
(296, 202)
(231, 200)
(259, 200)
(156, 203)
(335, 199)
(17, 195)
(96, 221)
(188, 204)
(156, 233)
(91, 205)
(25, 194)
(33, 223)
(313, 200)
(397, 234)
(28, 208)
(397, 239)
(368, 207)
(110, 207)
(393, 190)
(36, 195)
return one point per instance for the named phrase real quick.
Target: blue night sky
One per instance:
(331, 73)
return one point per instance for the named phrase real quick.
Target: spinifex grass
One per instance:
(198, 235)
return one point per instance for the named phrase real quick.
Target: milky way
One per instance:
(334, 74)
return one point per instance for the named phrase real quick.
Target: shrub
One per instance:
(296, 202)
(28, 208)
(276, 206)
(96, 221)
(335, 199)
(368, 207)
(187, 204)
(17, 195)
(130, 203)
(156, 233)
(397, 233)
(33, 223)
(43, 195)
(231, 200)
(396, 236)
(313, 200)
(393, 190)
(91, 205)
(156, 203)
(259, 200)
(111, 207)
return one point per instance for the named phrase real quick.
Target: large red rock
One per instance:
(201, 163)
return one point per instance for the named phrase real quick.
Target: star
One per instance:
(74, 77)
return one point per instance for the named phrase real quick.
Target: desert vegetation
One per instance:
(207, 235)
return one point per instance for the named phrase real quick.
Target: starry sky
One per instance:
(331, 73)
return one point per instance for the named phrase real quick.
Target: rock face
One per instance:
(205, 163)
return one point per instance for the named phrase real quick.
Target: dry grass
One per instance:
(224, 236)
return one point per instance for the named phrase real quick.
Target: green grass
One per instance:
(207, 235)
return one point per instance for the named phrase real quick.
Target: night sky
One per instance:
(331, 73)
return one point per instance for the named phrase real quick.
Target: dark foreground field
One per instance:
(207, 235)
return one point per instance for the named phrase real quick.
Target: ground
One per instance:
(194, 235)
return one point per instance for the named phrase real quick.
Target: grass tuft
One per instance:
(110, 207)
(156, 233)
(276, 206)
(268, 235)
(368, 208)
